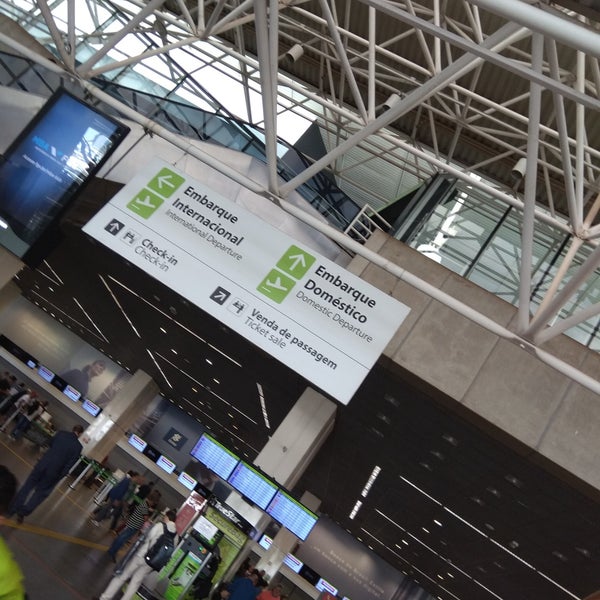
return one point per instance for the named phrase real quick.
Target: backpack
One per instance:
(160, 552)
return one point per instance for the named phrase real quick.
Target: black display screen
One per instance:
(292, 515)
(252, 484)
(214, 456)
(152, 453)
(61, 148)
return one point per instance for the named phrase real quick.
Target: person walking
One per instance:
(137, 568)
(115, 499)
(134, 523)
(27, 416)
(63, 452)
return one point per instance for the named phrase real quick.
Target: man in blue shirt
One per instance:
(64, 451)
(244, 588)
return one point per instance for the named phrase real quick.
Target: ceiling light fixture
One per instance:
(450, 439)
(372, 477)
(158, 367)
(263, 405)
(54, 273)
(512, 545)
(514, 480)
(120, 307)
(355, 510)
(186, 329)
(493, 491)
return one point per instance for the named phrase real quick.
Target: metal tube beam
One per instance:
(484, 52)
(372, 63)
(554, 306)
(528, 228)
(119, 64)
(343, 58)
(55, 33)
(575, 319)
(83, 69)
(266, 39)
(499, 39)
(543, 21)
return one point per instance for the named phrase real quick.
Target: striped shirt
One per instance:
(138, 516)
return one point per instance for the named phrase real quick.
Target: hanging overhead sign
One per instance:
(311, 314)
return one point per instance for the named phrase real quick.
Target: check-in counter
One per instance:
(48, 390)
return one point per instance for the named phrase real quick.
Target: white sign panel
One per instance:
(311, 314)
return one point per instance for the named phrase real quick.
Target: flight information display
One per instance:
(292, 515)
(252, 485)
(214, 456)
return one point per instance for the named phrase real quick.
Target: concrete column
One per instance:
(10, 265)
(284, 458)
(284, 542)
(108, 428)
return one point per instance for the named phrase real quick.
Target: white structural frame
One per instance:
(555, 51)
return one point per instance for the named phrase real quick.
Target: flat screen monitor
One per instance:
(293, 563)
(265, 542)
(151, 452)
(90, 407)
(45, 373)
(187, 481)
(31, 363)
(252, 484)
(137, 442)
(70, 392)
(209, 532)
(59, 383)
(291, 514)
(166, 464)
(325, 586)
(310, 575)
(214, 456)
(46, 166)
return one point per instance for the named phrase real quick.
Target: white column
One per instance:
(10, 265)
(284, 458)
(108, 428)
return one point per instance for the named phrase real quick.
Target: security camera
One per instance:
(393, 99)
(520, 168)
(294, 53)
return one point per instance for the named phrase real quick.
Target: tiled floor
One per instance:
(62, 555)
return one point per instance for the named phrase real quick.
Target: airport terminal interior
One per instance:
(351, 245)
